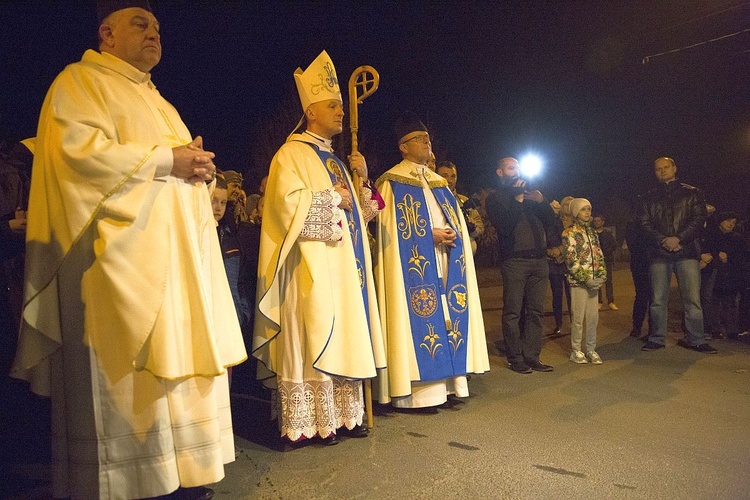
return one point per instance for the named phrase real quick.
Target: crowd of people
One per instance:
(150, 273)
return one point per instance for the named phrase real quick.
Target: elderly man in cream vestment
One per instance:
(427, 289)
(316, 330)
(128, 320)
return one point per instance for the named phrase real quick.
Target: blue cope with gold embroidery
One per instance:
(439, 329)
(336, 169)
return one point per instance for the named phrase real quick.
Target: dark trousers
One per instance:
(728, 312)
(609, 263)
(524, 283)
(709, 302)
(642, 302)
(558, 283)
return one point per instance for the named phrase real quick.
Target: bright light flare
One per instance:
(531, 166)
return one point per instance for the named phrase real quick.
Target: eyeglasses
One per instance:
(424, 139)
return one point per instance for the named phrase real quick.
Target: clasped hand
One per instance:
(193, 163)
(444, 237)
(671, 244)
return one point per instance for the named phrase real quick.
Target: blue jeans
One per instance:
(689, 279)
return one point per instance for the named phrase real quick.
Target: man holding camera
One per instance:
(520, 216)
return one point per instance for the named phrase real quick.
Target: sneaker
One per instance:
(651, 346)
(613, 306)
(557, 332)
(593, 357)
(578, 357)
(635, 333)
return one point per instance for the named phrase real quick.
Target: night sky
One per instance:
(564, 79)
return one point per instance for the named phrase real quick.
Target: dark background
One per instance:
(564, 79)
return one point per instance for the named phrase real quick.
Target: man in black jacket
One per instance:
(671, 217)
(520, 217)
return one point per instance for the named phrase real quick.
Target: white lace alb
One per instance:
(318, 407)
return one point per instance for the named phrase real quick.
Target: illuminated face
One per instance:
(416, 147)
(598, 222)
(665, 170)
(584, 214)
(727, 226)
(450, 175)
(262, 188)
(508, 168)
(326, 118)
(234, 189)
(132, 35)
(219, 203)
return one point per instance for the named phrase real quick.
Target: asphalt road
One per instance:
(666, 424)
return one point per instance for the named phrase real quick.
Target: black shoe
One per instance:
(194, 493)
(331, 440)
(448, 405)
(704, 348)
(455, 400)
(519, 367)
(358, 431)
(557, 332)
(289, 445)
(651, 346)
(538, 366)
(427, 410)
(635, 333)
(717, 335)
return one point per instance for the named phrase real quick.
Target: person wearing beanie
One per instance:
(565, 215)
(317, 329)
(522, 218)
(427, 288)
(671, 218)
(128, 322)
(586, 274)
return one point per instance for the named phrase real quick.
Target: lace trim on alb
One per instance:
(318, 407)
(323, 221)
(368, 203)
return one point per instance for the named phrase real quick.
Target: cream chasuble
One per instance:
(399, 383)
(128, 319)
(312, 330)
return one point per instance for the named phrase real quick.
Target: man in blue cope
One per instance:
(671, 217)
(427, 289)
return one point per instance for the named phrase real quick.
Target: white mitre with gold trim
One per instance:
(318, 82)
